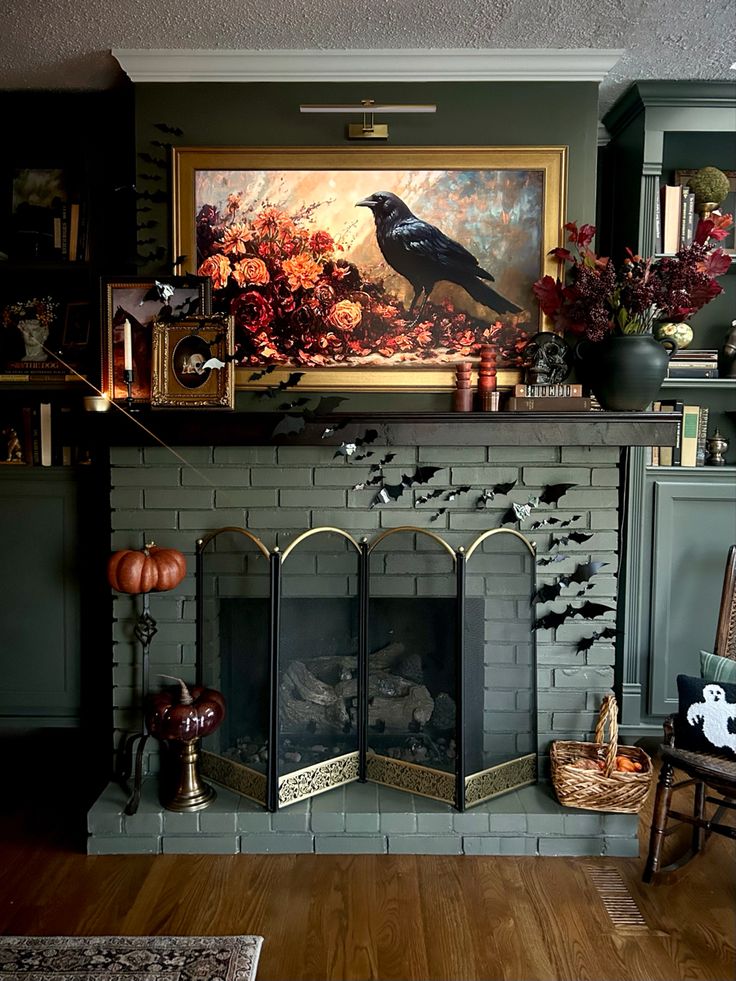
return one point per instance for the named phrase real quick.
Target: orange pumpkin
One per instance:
(148, 570)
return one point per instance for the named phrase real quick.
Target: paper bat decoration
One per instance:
(172, 130)
(574, 536)
(296, 404)
(553, 492)
(490, 492)
(213, 363)
(257, 375)
(587, 642)
(325, 406)
(438, 514)
(549, 559)
(289, 424)
(517, 512)
(554, 521)
(589, 611)
(453, 493)
(345, 450)
(582, 574)
(273, 390)
(392, 492)
(438, 492)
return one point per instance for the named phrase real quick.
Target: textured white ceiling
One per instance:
(66, 43)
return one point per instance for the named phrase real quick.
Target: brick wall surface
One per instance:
(278, 492)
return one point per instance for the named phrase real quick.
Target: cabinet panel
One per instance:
(40, 597)
(694, 524)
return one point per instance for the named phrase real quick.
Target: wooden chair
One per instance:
(705, 771)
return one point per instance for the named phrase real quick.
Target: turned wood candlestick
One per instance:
(462, 398)
(487, 394)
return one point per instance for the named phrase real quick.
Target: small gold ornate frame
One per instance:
(190, 363)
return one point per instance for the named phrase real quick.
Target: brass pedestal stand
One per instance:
(189, 793)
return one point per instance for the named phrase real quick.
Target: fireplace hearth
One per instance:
(398, 660)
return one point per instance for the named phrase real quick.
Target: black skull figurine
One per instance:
(548, 359)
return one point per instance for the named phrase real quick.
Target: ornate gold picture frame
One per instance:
(192, 366)
(294, 244)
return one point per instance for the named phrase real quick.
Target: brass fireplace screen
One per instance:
(399, 660)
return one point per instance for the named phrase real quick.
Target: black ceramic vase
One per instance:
(626, 371)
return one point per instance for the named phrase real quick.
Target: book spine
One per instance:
(689, 440)
(694, 371)
(27, 415)
(548, 403)
(657, 224)
(690, 230)
(677, 448)
(561, 390)
(683, 217)
(666, 452)
(45, 431)
(702, 436)
(654, 454)
(671, 218)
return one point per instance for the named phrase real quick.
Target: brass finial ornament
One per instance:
(710, 187)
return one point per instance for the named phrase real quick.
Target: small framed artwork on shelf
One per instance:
(39, 200)
(193, 363)
(140, 302)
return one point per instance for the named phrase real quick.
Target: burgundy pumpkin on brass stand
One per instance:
(133, 571)
(181, 718)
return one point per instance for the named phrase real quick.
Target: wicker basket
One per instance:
(607, 789)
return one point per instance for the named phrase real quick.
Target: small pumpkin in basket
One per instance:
(147, 570)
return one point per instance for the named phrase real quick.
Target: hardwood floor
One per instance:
(390, 916)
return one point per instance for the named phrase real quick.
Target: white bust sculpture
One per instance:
(34, 335)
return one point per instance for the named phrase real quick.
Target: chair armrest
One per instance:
(669, 730)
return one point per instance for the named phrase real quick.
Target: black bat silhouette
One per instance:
(289, 424)
(574, 536)
(296, 404)
(553, 492)
(438, 492)
(273, 390)
(392, 492)
(165, 128)
(438, 514)
(257, 375)
(587, 642)
(554, 521)
(549, 559)
(589, 611)
(582, 574)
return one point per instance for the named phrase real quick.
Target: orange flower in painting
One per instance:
(302, 271)
(235, 238)
(345, 314)
(217, 267)
(234, 201)
(270, 221)
(251, 270)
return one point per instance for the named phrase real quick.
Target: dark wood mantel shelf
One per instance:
(207, 427)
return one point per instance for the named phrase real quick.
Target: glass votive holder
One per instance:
(96, 403)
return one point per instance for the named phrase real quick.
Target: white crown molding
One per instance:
(390, 65)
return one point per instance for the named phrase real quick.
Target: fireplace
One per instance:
(397, 659)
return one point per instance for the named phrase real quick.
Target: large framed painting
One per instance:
(371, 268)
(142, 302)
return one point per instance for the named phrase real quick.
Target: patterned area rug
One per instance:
(129, 958)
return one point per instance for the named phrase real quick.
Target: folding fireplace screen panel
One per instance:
(399, 660)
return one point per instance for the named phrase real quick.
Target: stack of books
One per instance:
(675, 219)
(693, 364)
(548, 398)
(692, 431)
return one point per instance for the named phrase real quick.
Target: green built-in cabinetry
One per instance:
(679, 522)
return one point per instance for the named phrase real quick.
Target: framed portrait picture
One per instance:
(142, 302)
(373, 268)
(192, 364)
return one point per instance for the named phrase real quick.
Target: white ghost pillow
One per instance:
(707, 717)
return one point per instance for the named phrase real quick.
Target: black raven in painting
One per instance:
(424, 255)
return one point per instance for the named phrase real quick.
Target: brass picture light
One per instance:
(368, 129)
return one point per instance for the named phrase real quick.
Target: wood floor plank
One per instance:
(387, 917)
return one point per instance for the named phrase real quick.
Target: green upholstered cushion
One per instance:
(716, 668)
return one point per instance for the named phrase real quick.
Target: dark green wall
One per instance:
(267, 114)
